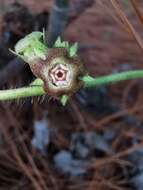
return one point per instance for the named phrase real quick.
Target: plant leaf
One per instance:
(73, 50)
(64, 100)
(58, 42)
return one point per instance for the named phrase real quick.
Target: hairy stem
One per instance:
(89, 82)
(21, 92)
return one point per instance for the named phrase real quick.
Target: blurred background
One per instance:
(95, 142)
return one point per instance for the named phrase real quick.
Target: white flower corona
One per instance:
(61, 75)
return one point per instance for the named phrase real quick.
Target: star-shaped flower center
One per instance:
(60, 75)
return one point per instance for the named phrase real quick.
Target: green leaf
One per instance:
(67, 45)
(36, 34)
(64, 100)
(73, 50)
(58, 42)
(21, 45)
(39, 53)
(17, 54)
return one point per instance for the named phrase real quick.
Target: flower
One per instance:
(59, 67)
(59, 72)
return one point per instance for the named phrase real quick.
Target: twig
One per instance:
(137, 11)
(125, 20)
(57, 21)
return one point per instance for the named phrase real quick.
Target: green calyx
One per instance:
(72, 49)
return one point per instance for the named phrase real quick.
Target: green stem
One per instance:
(92, 82)
(89, 82)
(21, 92)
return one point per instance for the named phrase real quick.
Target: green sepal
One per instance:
(13, 52)
(40, 51)
(31, 47)
(60, 44)
(73, 50)
(25, 42)
(64, 99)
